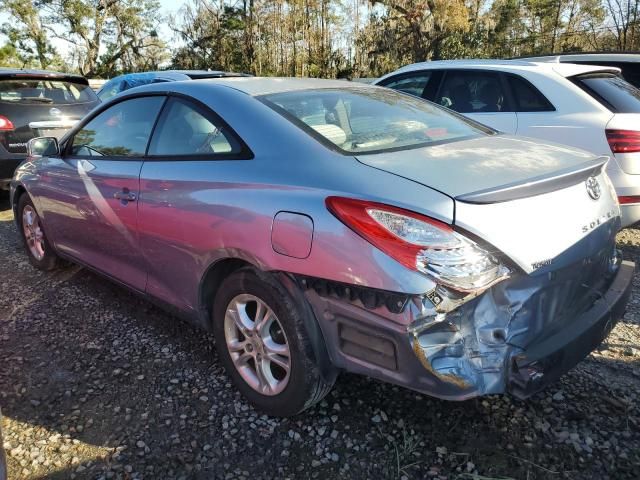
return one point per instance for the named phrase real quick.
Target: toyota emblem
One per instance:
(593, 188)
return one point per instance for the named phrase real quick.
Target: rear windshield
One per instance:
(612, 91)
(45, 91)
(371, 120)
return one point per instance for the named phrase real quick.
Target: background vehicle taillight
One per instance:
(421, 243)
(623, 141)
(5, 124)
(628, 199)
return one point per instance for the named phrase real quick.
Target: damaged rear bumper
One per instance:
(543, 363)
(493, 344)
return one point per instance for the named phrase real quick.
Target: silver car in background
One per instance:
(316, 226)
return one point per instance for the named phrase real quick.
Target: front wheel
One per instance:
(263, 344)
(38, 248)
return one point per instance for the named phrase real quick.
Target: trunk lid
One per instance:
(526, 199)
(538, 232)
(482, 163)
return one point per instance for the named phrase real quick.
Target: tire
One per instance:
(42, 255)
(285, 394)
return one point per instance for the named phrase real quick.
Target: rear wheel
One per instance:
(39, 251)
(263, 344)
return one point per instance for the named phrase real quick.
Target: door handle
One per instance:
(125, 196)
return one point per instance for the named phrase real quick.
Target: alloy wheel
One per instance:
(33, 233)
(257, 344)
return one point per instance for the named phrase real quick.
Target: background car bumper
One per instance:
(626, 185)
(8, 164)
(630, 214)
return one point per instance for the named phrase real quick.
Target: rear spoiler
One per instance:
(536, 185)
(62, 77)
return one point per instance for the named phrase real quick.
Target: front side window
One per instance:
(612, 91)
(122, 130)
(472, 92)
(413, 84)
(185, 129)
(370, 119)
(527, 97)
(45, 91)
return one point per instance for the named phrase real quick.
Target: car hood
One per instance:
(479, 164)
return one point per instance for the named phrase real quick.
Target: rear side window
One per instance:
(45, 91)
(630, 70)
(527, 97)
(122, 130)
(184, 129)
(612, 91)
(473, 92)
(413, 84)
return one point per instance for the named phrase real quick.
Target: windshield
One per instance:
(45, 91)
(612, 91)
(370, 120)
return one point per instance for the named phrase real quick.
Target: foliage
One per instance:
(27, 35)
(106, 36)
(318, 38)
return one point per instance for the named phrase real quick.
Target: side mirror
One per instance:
(43, 147)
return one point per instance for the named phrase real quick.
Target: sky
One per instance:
(167, 7)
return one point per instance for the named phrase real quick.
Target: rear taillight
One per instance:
(421, 243)
(623, 141)
(5, 124)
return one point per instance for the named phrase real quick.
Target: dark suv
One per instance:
(36, 103)
(627, 62)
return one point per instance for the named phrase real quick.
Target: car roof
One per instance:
(562, 69)
(587, 56)
(264, 85)
(197, 74)
(6, 73)
(178, 75)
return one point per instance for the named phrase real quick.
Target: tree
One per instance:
(213, 36)
(624, 16)
(9, 56)
(27, 34)
(121, 28)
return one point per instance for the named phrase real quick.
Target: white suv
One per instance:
(585, 106)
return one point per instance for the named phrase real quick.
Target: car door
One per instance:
(480, 95)
(191, 155)
(90, 195)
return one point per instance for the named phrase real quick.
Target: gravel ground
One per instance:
(97, 383)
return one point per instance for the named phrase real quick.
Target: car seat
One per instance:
(491, 97)
(461, 98)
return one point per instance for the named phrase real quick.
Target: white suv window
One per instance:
(527, 97)
(473, 92)
(411, 84)
(612, 91)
